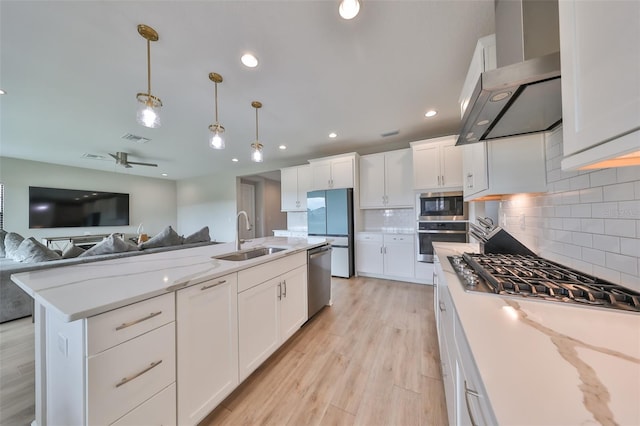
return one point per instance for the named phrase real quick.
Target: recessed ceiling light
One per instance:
(333, 135)
(249, 60)
(235, 160)
(482, 122)
(282, 147)
(2, 92)
(164, 174)
(431, 113)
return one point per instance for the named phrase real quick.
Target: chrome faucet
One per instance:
(246, 218)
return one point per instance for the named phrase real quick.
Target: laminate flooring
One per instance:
(370, 359)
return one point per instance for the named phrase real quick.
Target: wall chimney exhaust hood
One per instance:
(523, 95)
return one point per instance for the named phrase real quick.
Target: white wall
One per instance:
(273, 217)
(588, 220)
(152, 201)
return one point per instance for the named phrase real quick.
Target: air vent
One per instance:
(391, 133)
(135, 138)
(93, 156)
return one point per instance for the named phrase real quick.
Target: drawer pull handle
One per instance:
(129, 324)
(128, 379)
(213, 285)
(284, 286)
(443, 308)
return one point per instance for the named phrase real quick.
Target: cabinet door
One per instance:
(257, 325)
(399, 256)
(451, 174)
(475, 168)
(207, 346)
(160, 410)
(320, 175)
(398, 175)
(293, 304)
(372, 181)
(426, 166)
(304, 183)
(342, 173)
(600, 53)
(289, 189)
(369, 257)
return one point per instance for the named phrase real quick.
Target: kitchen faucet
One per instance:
(246, 218)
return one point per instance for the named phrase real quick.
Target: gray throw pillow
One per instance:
(3, 234)
(200, 236)
(32, 251)
(168, 237)
(71, 251)
(111, 244)
(11, 243)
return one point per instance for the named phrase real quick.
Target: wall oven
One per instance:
(441, 206)
(434, 231)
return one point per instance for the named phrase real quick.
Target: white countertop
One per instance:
(545, 363)
(82, 290)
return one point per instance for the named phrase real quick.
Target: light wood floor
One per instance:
(370, 359)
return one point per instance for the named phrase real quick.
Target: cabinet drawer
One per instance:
(160, 410)
(399, 238)
(114, 327)
(258, 274)
(369, 236)
(121, 378)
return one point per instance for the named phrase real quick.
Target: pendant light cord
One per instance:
(149, 66)
(257, 125)
(216, 98)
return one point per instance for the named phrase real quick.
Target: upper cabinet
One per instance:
(294, 184)
(483, 59)
(333, 172)
(437, 164)
(505, 166)
(385, 180)
(600, 56)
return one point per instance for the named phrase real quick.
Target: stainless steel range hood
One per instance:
(523, 95)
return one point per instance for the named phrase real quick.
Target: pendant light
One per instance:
(216, 141)
(149, 105)
(348, 9)
(256, 153)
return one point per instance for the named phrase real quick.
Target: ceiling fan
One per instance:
(122, 159)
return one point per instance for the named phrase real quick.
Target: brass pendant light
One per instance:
(256, 153)
(216, 141)
(149, 105)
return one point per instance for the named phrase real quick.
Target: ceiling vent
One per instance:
(93, 156)
(135, 138)
(391, 133)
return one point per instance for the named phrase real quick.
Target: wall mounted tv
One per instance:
(59, 208)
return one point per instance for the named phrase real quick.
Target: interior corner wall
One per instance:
(273, 217)
(208, 201)
(152, 201)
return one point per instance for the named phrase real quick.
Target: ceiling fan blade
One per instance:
(142, 164)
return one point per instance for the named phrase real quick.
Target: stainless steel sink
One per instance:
(249, 254)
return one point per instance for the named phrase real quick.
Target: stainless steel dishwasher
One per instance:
(318, 278)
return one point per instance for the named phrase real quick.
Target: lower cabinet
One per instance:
(160, 410)
(207, 346)
(389, 255)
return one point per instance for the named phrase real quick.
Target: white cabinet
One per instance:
(271, 307)
(207, 346)
(294, 184)
(505, 166)
(333, 172)
(437, 164)
(385, 180)
(390, 255)
(600, 55)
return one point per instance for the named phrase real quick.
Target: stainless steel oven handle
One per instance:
(441, 232)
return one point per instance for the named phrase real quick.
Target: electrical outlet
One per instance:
(523, 225)
(63, 344)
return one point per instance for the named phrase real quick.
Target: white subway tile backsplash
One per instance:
(607, 243)
(604, 210)
(619, 227)
(619, 192)
(603, 177)
(563, 211)
(582, 239)
(628, 174)
(631, 281)
(630, 246)
(571, 197)
(629, 209)
(637, 189)
(593, 256)
(581, 210)
(563, 236)
(607, 274)
(591, 195)
(622, 263)
(571, 224)
(580, 182)
(593, 226)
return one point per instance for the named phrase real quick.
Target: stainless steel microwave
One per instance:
(441, 206)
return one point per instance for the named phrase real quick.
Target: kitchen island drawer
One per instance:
(123, 377)
(160, 410)
(114, 327)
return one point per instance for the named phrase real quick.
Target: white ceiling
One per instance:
(71, 70)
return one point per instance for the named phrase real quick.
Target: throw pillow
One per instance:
(71, 251)
(168, 237)
(111, 244)
(200, 236)
(3, 234)
(11, 243)
(32, 251)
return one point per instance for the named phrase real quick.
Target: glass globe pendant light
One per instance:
(256, 153)
(216, 141)
(148, 105)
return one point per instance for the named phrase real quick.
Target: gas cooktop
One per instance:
(540, 279)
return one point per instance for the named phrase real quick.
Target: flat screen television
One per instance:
(59, 208)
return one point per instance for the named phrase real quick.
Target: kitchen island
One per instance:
(515, 361)
(120, 341)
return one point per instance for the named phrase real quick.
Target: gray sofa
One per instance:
(15, 303)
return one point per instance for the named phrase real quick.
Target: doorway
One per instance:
(260, 196)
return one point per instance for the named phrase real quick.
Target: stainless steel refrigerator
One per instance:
(330, 215)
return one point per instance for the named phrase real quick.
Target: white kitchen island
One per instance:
(512, 361)
(160, 338)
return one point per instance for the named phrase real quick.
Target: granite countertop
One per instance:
(87, 289)
(548, 363)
